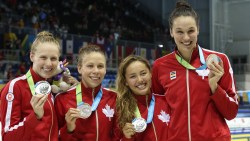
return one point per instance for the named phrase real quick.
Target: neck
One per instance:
(186, 56)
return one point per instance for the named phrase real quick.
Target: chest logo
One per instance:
(109, 112)
(203, 73)
(164, 117)
(173, 75)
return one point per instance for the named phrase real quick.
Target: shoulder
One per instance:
(164, 58)
(109, 92)
(69, 93)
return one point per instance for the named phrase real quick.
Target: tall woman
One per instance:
(198, 83)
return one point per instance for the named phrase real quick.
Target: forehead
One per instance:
(93, 57)
(184, 22)
(47, 49)
(135, 67)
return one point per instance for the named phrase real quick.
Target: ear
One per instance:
(32, 57)
(79, 69)
(171, 33)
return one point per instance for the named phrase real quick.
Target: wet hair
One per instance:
(126, 103)
(85, 50)
(182, 8)
(44, 37)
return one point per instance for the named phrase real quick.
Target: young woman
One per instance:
(199, 87)
(86, 112)
(142, 116)
(27, 111)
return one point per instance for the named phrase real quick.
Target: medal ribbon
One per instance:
(79, 98)
(30, 82)
(189, 66)
(150, 110)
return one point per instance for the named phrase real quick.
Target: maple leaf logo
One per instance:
(108, 112)
(164, 117)
(202, 73)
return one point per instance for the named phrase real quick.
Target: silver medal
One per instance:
(42, 87)
(212, 58)
(85, 110)
(140, 124)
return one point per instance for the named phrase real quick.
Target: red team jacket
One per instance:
(99, 126)
(157, 130)
(195, 113)
(18, 119)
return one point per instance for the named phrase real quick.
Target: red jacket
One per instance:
(96, 127)
(195, 113)
(18, 119)
(157, 130)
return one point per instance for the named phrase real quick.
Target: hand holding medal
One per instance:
(215, 65)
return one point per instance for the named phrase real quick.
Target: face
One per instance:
(138, 78)
(92, 69)
(45, 59)
(185, 33)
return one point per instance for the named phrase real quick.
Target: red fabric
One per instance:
(207, 111)
(95, 127)
(22, 116)
(157, 130)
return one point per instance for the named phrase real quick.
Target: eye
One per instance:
(90, 66)
(132, 76)
(100, 66)
(191, 31)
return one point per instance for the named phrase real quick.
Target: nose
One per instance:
(186, 37)
(95, 69)
(48, 62)
(139, 79)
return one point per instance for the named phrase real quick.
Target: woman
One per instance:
(27, 111)
(141, 115)
(200, 94)
(86, 112)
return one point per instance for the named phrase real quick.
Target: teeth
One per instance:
(142, 86)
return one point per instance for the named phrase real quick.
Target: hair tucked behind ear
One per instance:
(183, 9)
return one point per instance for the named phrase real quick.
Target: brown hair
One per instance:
(87, 50)
(126, 103)
(43, 37)
(183, 9)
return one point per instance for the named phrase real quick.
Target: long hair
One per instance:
(126, 103)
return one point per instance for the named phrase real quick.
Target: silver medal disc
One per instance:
(212, 58)
(85, 110)
(42, 87)
(140, 124)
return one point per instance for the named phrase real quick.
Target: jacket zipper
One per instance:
(51, 120)
(97, 125)
(188, 102)
(152, 121)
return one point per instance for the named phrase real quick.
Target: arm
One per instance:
(15, 127)
(224, 95)
(65, 135)
(156, 86)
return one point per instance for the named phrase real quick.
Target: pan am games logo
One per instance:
(9, 97)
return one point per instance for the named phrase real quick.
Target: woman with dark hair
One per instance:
(198, 83)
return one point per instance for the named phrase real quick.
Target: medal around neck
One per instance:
(212, 58)
(42, 87)
(85, 110)
(140, 124)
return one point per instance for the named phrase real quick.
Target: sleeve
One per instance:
(14, 126)
(225, 96)
(156, 86)
(63, 133)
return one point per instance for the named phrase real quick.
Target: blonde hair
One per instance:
(126, 103)
(44, 37)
